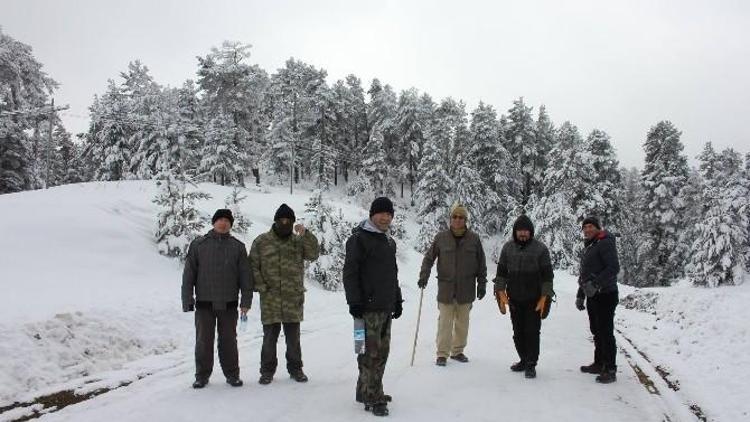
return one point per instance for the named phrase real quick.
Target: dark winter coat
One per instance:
(524, 270)
(599, 264)
(216, 270)
(461, 264)
(370, 270)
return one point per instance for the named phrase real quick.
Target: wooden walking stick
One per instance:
(416, 334)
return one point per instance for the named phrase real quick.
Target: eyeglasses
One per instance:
(458, 217)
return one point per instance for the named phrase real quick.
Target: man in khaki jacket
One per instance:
(462, 277)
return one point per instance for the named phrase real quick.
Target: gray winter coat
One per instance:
(216, 270)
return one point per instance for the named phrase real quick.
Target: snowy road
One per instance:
(483, 389)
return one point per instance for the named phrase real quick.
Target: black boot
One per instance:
(441, 361)
(234, 382)
(530, 371)
(265, 379)
(607, 376)
(380, 409)
(594, 368)
(299, 376)
(519, 366)
(200, 383)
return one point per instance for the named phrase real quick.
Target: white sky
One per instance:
(619, 67)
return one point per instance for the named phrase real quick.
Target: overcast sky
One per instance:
(620, 67)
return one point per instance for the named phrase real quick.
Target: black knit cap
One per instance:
(381, 204)
(223, 213)
(592, 220)
(284, 212)
(523, 222)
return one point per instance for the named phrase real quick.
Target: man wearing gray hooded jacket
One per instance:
(373, 295)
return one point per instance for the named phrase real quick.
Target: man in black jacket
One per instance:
(598, 285)
(373, 294)
(216, 270)
(524, 281)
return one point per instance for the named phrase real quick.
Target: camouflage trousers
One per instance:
(372, 362)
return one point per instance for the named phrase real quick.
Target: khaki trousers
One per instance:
(453, 328)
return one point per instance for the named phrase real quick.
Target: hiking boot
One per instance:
(441, 361)
(460, 357)
(380, 409)
(519, 366)
(386, 397)
(200, 383)
(299, 376)
(594, 368)
(234, 382)
(530, 372)
(607, 376)
(265, 379)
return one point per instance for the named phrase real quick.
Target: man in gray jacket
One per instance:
(216, 270)
(462, 277)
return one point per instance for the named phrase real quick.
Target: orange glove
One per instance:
(540, 305)
(502, 300)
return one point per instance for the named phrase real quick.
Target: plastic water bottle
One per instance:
(243, 323)
(359, 336)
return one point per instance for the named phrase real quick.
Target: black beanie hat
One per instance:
(381, 204)
(284, 212)
(523, 222)
(223, 213)
(592, 220)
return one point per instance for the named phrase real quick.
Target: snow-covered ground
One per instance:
(90, 304)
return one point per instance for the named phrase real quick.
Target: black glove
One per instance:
(579, 304)
(188, 308)
(481, 290)
(355, 310)
(422, 284)
(398, 309)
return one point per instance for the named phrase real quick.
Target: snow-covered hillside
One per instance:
(91, 306)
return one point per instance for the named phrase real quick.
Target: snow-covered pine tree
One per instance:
(23, 86)
(179, 222)
(374, 165)
(221, 161)
(433, 191)
(66, 165)
(521, 142)
(607, 183)
(108, 139)
(411, 133)
(332, 231)
(718, 252)
(492, 161)
(232, 202)
(545, 140)
(232, 87)
(633, 239)
(664, 175)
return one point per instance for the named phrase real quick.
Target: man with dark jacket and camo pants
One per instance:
(216, 270)
(373, 294)
(524, 281)
(598, 286)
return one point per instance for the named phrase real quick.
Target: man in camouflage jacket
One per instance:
(277, 261)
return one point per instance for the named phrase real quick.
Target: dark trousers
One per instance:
(372, 363)
(268, 360)
(207, 322)
(601, 309)
(526, 327)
